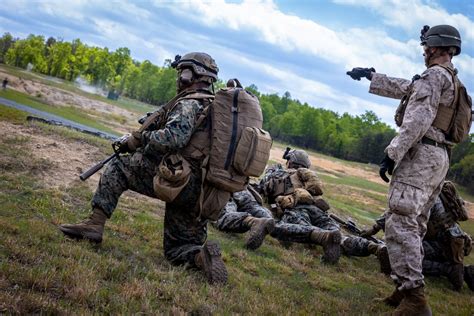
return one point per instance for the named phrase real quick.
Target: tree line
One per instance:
(360, 138)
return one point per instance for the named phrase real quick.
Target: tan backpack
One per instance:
(455, 121)
(240, 148)
(452, 202)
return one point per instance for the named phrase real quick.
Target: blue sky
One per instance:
(304, 47)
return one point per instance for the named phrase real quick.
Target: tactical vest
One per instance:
(454, 120)
(282, 182)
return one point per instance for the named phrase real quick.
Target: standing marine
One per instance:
(172, 143)
(417, 158)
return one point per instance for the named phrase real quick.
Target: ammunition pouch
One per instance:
(172, 175)
(455, 242)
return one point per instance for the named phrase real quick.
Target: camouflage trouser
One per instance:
(355, 246)
(183, 232)
(415, 184)
(434, 256)
(231, 219)
(297, 224)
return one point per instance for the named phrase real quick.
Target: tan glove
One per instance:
(285, 201)
(134, 141)
(371, 231)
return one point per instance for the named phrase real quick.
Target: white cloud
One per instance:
(412, 15)
(314, 92)
(348, 48)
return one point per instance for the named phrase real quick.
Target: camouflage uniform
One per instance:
(240, 206)
(420, 168)
(184, 233)
(442, 230)
(293, 226)
(297, 223)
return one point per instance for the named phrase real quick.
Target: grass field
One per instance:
(43, 272)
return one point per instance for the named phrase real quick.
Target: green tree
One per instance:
(28, 51)
(6, 41)
(59, 55)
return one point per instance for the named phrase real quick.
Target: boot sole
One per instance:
(71, 233)
(214, 268)
(256, 239)
(332, 251)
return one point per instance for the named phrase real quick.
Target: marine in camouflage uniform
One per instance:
(444, 246)
(185, 232)
(418, 159)
(301, 223)
(243, 213)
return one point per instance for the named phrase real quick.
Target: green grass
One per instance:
(12, 115)
(68, 112)
(43, 272)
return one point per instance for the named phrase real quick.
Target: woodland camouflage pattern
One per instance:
(179, 128)
(184, 232)
(241, 206)
(420, 169)
(296, 225)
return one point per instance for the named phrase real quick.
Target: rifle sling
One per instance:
(170, 105)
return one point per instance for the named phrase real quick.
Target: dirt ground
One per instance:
(59, 97)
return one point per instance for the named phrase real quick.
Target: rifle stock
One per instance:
(85, 175)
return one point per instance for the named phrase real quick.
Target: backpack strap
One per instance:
(158, 114)
(444, 119)
(235, 125)
(168, 107)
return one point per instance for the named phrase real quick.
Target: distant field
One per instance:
(125, 103)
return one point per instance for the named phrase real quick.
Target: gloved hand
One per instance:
(359, 72)
(366, 233)
(387, 164)
(134, 141)
(127, 143)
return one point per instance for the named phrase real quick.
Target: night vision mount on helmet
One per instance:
(201, 63)
(441, 36)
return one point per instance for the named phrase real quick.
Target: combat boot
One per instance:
(381, 252)
(469, 276)
(453, 271)
(331, 242)
(394, 299)
(90, 229)
(414, 303)
(209, 260)
(455, 274)
(259, 228)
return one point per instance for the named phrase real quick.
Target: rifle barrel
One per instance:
(85, 175)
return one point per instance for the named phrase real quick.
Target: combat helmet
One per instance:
(441, 36)
(202, 64)
(299, 158)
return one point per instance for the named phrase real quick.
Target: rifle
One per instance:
(117, 145)
(351, 227)
(85, 175)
